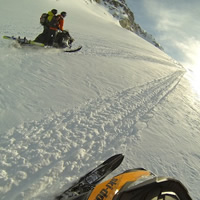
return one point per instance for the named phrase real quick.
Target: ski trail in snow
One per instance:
(62, 146)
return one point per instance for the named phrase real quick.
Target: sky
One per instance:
(175, 25)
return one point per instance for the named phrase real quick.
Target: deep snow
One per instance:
(62, 114)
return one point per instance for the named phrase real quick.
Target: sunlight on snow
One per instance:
(195, 80)
(194, 72)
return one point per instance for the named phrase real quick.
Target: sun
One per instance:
(195, 79)
(193, 65)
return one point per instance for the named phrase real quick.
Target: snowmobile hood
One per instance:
(140, 184)
(108, 189)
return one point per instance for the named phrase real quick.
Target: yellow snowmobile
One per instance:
(139, 184)
(134, 184)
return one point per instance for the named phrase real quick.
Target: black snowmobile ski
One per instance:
(92, 178)
(73, 49)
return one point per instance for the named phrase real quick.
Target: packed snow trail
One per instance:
(39, 154)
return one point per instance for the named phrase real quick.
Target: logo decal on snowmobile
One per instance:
(105, 191)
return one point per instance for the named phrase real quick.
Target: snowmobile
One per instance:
(62, 41)
(134, 184)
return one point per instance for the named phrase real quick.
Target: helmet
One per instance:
(54, 11)
(63, 14)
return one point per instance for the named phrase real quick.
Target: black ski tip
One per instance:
(92, 178)
(114, 161)
(73, 50)
(115, 157)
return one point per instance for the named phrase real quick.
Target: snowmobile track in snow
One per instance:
(47, 149)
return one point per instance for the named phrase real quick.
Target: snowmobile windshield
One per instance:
(139, 181)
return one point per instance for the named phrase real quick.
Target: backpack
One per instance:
(43, 19)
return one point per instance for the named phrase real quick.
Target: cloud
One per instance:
(177, 26)
(168, 17)
(191, 50)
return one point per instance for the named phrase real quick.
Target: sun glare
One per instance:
(195, 79)
(194, 66)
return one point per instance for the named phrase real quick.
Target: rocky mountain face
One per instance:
(120, 10)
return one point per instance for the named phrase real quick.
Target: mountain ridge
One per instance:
(120, 10)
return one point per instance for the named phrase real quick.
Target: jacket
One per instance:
(60, 22)
(52, 21)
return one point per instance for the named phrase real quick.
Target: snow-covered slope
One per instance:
(62, 114)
